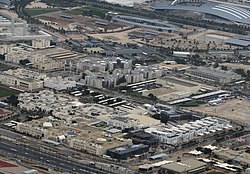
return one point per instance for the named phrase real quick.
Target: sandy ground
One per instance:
(237, 65)
(233, 109)
(121, 37)
(9, 13)
(87, 23)
(37, 4)
(196, 38)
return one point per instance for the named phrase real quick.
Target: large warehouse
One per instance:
(219, 10)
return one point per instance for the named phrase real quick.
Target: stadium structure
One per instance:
(222, 11)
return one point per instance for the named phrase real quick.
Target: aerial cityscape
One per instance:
(124, 87)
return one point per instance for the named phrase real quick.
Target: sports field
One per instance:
(7, 92)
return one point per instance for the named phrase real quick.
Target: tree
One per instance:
(216, 65)
(2, 57)
(225, 68)
(152, 96)
(24, 61)
(13, 100)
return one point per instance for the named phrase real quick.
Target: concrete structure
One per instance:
(219, 10)
(141, 137)
(135, 121)
(59, 83)
(237, 42)
(4, 49)
(61, 106)
(48, 64)
(186, 1)
(30, 130)
(212, 75)
(41, 43)
(15, 54)
(190, 166)
(26, 80)
(100, 147)
(12, 29)
(183, 133)
(124, 152)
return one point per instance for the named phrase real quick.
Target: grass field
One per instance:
(40, 11)
(7, 92)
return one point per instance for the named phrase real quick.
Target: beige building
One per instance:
(48, 64)
(212, 75)
(5, 49)
(17, 54)
(179, 84)
(30, 130)
(97, 147)
(22, 79)
(41, 43)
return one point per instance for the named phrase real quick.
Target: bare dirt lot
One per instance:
(121, 37)
(37, 4)
(237, 65)
(86, 23)
(233, 109)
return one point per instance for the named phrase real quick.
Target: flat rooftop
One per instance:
(179, 81)
(184, 166)
(238, 42)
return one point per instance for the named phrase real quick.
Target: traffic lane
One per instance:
(41, 159)
(10, 134)
(46, 158)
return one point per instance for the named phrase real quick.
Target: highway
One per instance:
(44, 159)
(59, 152)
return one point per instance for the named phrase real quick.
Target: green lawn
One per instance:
(93, 10)
(40, 11)
(7, 92)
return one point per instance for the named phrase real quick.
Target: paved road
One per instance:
(45, 159)
(62, 152)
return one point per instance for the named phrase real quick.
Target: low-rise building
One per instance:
(212, 75)
(26, 80)
(30, 130)
(125, 152)
(190, 166)
(59, 83)
(183, 133)
(48, 64)
(142, 137)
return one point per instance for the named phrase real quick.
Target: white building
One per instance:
(59, 83)
(41, 43)
(186, 132)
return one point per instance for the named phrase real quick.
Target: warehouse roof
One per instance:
(238, 42)
(184, 166)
